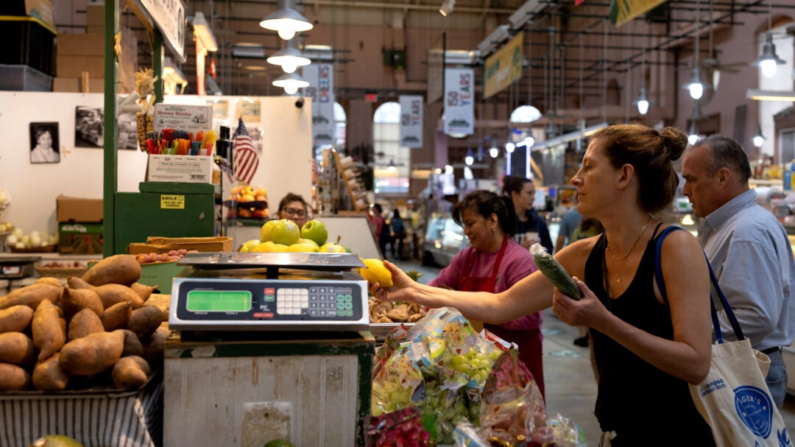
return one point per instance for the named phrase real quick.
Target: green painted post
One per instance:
(157, 64)
(111, 155)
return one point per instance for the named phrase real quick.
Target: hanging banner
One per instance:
(504, 67)
(622, 11)
(411, 121)
(459, 95)
(169, 16)
(321, 90)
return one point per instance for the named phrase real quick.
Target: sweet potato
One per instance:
(162, 302)
(130, 373)
(48, 335)
(13, 378)
(92, 354)
(49, 376)
(63, 324)
(31, 296)
(111, 294)
(143, 291)
(116, 316)
(154, 347)
(75, 300)
(15, 319)
(132, 345)
(17, 349)
(145, 321)
(119, 269)
(77, 283)
(48, 280)
(85, 323)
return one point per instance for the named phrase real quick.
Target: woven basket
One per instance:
(47, 249)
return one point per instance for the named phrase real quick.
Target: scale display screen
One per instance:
(219, 301)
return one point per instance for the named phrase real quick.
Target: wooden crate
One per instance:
(311, 390)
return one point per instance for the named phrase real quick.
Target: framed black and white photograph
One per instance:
(44, 143)
(89, 130)
(128, 131)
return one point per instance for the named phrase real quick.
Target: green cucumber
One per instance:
(554, 272)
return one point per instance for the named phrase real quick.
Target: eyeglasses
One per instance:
(290, 212)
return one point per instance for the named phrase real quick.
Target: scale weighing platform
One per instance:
(269, 292)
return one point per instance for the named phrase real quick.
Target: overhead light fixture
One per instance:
(525, 13)
(469, 159)
(759, 139)
(695, 85)
(203, 32)
(770, 95)
(697, 115)
(447, 7)
(769, 61)
(642, 102)
(286, 21)
(527, 142)
(391, 167)
(510, 147)
(248, 50)
(481, 154)
(289, 58)
(448, 169)
(572, 136)
(254, 67)
(290, 82)
(172, 77)
(692, 137)
(494, 152)
(688, 220)
(497, 37)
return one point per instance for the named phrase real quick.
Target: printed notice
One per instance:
(187, 118)
(180, 169)
(172, 202)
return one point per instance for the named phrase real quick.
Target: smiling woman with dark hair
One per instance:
(493, 263)
(293, 207)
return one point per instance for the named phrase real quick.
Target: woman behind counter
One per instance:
(493, 263)
(293, 207)
(647, 348)
(522, 193)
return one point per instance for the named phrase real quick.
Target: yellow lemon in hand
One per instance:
(376, 272)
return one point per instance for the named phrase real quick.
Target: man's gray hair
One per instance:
(726, 152)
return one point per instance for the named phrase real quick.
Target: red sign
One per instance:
(371, 97)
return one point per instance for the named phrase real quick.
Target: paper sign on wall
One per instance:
(250, 110)
(411, 121)
(459, 111)
(321, 90)
(188, 118)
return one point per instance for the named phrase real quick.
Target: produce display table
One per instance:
(95, 418)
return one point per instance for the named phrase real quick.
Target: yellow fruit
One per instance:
(279, 248)
(248, 246)
(332, 248)
(265, 247)
(266, 233)
(376, 272)
(308, 242)
(301, 248)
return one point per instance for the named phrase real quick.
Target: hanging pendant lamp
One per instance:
(286, 21)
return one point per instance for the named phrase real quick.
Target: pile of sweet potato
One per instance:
(94, 331)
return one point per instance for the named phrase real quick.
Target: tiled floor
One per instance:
(570, 383)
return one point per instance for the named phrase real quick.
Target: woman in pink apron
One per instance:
(493, 263)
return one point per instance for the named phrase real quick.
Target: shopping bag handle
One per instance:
(738, 332)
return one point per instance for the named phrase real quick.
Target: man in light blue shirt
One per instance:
(568, 225)
(748, 248)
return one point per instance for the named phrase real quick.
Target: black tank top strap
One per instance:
(654, 236)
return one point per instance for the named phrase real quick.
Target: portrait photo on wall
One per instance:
(128, 131)
(89, 127)
(44, 143)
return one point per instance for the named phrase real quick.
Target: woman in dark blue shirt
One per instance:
(522, 192)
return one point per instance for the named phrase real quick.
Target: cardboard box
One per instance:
(81, 44)
(80, 238)
(180, 169)
(95, 14)
(73, 209)
(165, 245)
(74, 66)
(74, 85)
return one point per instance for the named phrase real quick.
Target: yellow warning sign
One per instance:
(172, 202)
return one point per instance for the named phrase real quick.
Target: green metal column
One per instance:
(111, 157)
(157, 64)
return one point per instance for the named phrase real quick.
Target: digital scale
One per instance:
(269, 292)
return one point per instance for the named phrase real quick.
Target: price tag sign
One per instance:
(172, 202)
(187, 118)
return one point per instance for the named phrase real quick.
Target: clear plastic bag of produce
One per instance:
(402, 428)
(467, 434)
(554, 272)
(566, 432)
(512, 410)
(395, 382)
(449, 407)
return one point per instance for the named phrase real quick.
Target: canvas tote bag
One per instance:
(734, 398)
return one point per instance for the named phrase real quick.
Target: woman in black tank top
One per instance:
(646, 350)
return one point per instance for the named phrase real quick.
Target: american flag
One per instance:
(246, 160)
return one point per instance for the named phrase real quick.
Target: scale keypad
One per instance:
(315, 301)
(292, 301)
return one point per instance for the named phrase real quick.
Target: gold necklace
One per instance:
(609, 252)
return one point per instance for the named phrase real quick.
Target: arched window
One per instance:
(340, 124)
(391, 160)
(525, 114)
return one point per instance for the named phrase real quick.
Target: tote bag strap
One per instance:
(738, 332)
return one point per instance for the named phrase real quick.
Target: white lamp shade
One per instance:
(289, 59)
(287, 22)
(290, 82)
(509, 147)
(494, 152)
